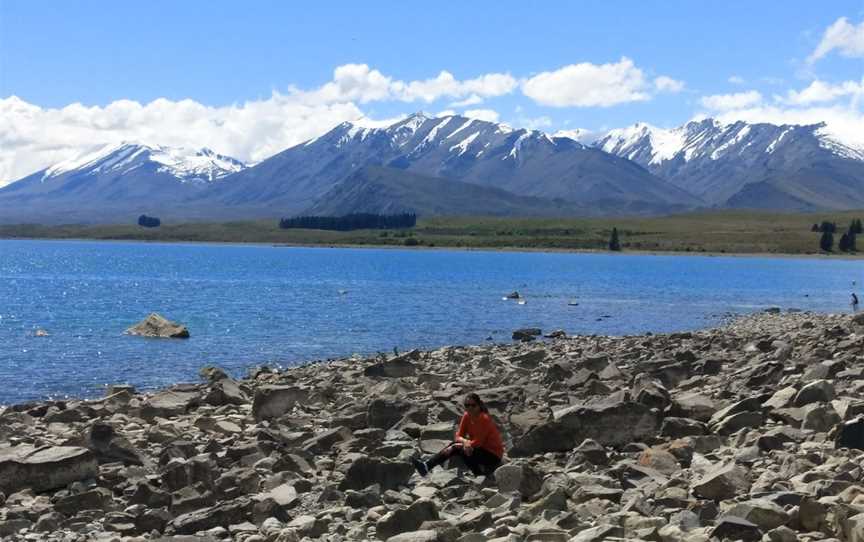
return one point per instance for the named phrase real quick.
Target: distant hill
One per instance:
(381, 190)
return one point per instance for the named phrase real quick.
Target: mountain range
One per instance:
(455, 165)
(743, 165)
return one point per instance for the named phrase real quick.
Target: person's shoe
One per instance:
(421, 467)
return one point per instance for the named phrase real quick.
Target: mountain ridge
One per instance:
(523, 162)
(717, 162)
(640, 169)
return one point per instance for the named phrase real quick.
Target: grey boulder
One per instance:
(42, 469)
(723, 482)
(610, 424)
(156, 325)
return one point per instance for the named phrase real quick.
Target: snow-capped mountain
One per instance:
(454, 164)
(187, 165)
(523, 162)
(115, 181)
(748, 165)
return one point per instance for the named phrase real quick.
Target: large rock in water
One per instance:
(610, 424)
(41, 469)
(155, 325)
(527, 334)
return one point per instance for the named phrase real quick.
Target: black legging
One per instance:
(481, 461)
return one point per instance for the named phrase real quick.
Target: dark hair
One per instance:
(476, 398)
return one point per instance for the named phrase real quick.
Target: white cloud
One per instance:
(470, 100)
(845, 37)
(360, 83)
(588, 85)
(352, 82)
(32, 138)
(667, 84)
(739, 100)
(482, 114)
(820, 92)
(445, 113)
(736, 80)
(447, 86)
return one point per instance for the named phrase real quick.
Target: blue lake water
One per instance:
(247, 305)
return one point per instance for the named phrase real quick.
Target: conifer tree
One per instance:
(826, 243)
(843, 244)
(614, 244)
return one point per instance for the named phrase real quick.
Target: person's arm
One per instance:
(463, 430)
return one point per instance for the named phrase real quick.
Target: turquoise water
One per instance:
(248, 305)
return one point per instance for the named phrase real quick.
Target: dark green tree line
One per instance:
(356, 221)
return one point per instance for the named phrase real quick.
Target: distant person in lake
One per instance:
(854, 302)
(478, 442)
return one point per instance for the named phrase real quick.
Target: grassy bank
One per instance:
(719, 232)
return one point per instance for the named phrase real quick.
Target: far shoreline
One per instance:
(707, 233)
(513, 249)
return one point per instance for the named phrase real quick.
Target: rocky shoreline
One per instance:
(750, 431)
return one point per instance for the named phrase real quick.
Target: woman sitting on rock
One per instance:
(478, 441)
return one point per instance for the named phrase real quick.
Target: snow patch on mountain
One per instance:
(404, 130)
(82, 161)
(191, 164)
(188, 165)
(433, 133)
(466, 124)
(464, 144)
(520, 141)
(731, 142)
(629, 142)
(841, 146)
(773, 145)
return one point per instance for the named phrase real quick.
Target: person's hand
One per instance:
(467, 448)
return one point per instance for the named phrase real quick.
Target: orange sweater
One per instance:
(482, 432)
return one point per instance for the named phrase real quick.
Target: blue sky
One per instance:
(656, 62)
